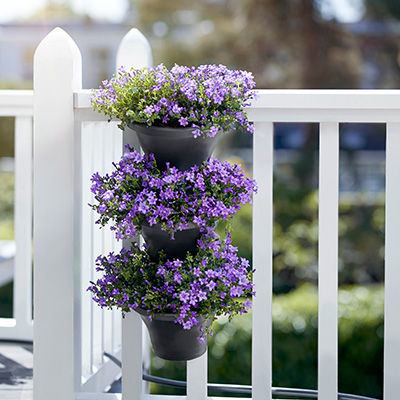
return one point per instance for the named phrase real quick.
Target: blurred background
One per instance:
(296, 44)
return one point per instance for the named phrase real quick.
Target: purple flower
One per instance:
(184, 297)
(149, 109)
(183, 121)
(137, 192)
(247, 304)
(108, 195)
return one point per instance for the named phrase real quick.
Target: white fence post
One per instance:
(57, 74)
(197, 378)
(392, 263)
(262, 261)
(328, 261)
(134, 52)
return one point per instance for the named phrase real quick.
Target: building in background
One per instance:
(98, 43)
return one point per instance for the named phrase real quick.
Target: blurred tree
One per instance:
(54, 11)
(382, 8)
(361, 238)
(285, 43)
(6, 137)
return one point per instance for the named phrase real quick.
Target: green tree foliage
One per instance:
(6, 300)
(6, 137)
(361, 238)
(383, 8)
(6, 206)
(6, 195)
(285, 43)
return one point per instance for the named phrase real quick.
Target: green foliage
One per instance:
(6, 179)
(240, 227)
(383, 8)
(361, 238)
(295, 323)
(229, 359)
(6, 137)
(6, 196)
(360, 339)
(6, 206)
(6, 229)
(361, 241)
(6, 301)
(286, 43)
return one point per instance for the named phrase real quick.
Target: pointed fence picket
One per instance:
(72, 141)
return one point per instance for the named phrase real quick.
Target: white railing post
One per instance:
(197, 378)
(134, 52)
(57, 74)
(328, 261)
(263, 146)
(392, 263)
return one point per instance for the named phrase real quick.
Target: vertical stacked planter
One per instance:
(175, 147)
(174, 195)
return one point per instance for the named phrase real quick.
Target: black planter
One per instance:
(170, 341)
(157, 240)
(174, 145)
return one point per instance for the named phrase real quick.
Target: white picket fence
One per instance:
(71, 142)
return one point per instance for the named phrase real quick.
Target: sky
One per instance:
(114, 10)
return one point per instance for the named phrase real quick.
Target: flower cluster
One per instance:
(209, 283)
(208, 98)
(138, 193)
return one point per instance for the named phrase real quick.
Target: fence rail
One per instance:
(72, 141)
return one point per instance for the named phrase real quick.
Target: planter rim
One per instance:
(153, 129)
(158, 226)
(159, 316)
(169, 316)
(177, 131)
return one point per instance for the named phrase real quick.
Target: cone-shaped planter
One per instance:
(176, 146)
(157, 240)
(170, 341)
